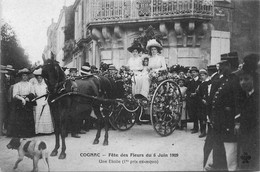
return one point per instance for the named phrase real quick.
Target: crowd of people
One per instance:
(221, 100)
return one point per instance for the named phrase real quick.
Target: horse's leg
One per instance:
(56, 131)
(99, 121)
(63, 135)
(106, 114)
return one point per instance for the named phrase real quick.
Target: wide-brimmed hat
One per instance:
(153, 43)
(38, 72)
(85, 70)
(24, 71)
(194, 68)
(135, 46)
(231, 58)
(250, 65)
(204, 71)
(7, 69)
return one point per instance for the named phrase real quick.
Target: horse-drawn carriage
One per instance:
(163, 105)
(68, 97)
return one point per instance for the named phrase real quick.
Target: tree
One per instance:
(12, 53)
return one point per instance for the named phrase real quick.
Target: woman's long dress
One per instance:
(43, 120)
(24, 120)
(135, 64)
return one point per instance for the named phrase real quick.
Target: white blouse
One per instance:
(157, 63)
(23, 88)
(40, 89)
(135, 63)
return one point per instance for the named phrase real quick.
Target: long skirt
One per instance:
(24, 120)
(43, 120)
(141, 84)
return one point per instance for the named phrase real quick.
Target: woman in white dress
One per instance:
(135, 64)
(156, 63)
(43, 120)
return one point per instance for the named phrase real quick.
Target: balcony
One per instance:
(129, 11)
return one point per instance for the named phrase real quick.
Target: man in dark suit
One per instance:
(224, 109)
(208, 146)
(192, 98)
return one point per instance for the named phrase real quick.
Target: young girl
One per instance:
(145, 65)
(183, 89)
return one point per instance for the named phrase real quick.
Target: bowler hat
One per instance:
(193, 68)
(112, 67)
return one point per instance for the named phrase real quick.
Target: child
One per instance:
(183, 89)
(145, 65)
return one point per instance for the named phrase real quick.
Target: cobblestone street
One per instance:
(143, 150)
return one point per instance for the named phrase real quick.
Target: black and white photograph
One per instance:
(129, 85)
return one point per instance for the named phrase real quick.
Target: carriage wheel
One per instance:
(121, 119)
(165, 109)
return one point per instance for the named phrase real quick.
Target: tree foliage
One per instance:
(146, 35)
(12, 53)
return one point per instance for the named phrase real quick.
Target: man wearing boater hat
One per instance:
(193, 99)
(224, 109)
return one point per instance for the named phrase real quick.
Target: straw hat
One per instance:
(38, 72)
(204, 71)
(24, 71)
(153, 43)
(85, 70)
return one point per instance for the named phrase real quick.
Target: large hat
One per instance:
(135, 46)
(24, 71)
(231, 58)
(193, 68)
(153, 43)
(7, 69)
(250, 65)
(85, 70)
(251, 62)
(38, 72)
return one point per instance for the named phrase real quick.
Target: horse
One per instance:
(68, 98)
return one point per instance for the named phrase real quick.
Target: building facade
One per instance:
(195, 32)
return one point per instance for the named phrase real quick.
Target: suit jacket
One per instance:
(192, 88)
(225, 106)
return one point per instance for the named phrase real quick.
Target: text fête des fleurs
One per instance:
(129, 158)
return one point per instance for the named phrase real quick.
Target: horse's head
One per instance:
(52, 74)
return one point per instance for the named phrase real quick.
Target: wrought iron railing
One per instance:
(109, 10)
